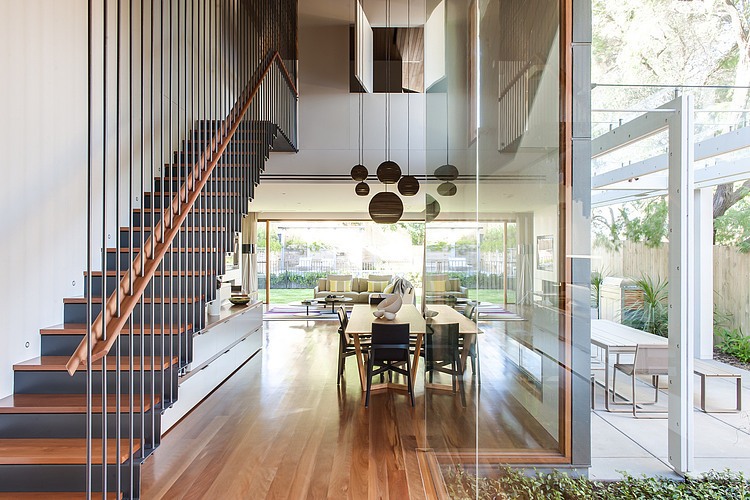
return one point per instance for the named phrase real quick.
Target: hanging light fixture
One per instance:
(447, 173)
(408, 185)
(359, 172)
(389, 171)
(386, 208)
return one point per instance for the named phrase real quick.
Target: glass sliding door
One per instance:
(498, 230)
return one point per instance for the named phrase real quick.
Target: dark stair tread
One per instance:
(146, 300)
(137, 229)
(157, 274)
(124, 250)
(61, 451)
(199, 210)
(214, 179)
(80, 329)
(56, 495)
(68, 403)
(57, 363)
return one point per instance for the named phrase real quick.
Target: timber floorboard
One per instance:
(281, 428)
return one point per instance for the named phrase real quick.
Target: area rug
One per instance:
(284, 312)
(494, 312)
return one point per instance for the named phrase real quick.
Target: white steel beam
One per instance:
(633, 171)
(681, 285)
(636, 129)
(704, 273)
(610, 197)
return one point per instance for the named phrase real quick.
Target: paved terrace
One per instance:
(639, 446)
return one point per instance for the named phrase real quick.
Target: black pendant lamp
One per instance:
(359, 172)
(386, 208)
(448, 172)
(408, 185)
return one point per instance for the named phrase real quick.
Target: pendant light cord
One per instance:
(408, 97)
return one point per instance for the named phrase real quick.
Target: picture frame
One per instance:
(545, 252)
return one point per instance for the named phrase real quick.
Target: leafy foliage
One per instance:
(651, 226)
(597, 277)
(652, 313)
(733, 228)
(735, 343)
(514, 484)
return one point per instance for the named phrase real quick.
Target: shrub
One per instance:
(652, 313)
(734, 343)
(512, 484)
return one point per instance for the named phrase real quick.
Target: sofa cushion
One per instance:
(379, 277)
(322, 284)
(454, 285)
(359, 285)
(434, 286)
(340, 285)
(389, 288)
(376, 286)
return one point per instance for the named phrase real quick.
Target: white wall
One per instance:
(43, 136)
(43, 196)
(328, 113)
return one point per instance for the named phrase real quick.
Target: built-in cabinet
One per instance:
(230, 339)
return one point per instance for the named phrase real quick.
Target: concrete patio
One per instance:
(621, 443)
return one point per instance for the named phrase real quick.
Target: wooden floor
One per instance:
(281, 428)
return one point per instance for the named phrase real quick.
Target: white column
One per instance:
(681, 284)
(704, 273)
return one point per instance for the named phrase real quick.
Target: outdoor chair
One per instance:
(650, 360)
(442, 355)
(389, 352)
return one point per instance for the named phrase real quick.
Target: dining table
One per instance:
(616, 339)
(362, 319)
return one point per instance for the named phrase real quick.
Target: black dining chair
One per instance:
(389, 352)
(443, 355)
(346, 343)
(471, 311)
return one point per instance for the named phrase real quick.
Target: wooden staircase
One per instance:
(44, 424)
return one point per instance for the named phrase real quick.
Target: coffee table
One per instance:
(307, 304)
(336, 300)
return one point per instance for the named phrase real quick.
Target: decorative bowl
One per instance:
(239, 300)
(391, 304)
(389, 316)
(378, 313)
(430, 314)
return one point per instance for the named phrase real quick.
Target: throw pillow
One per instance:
(434, 286)
(341, 286)
(376, 286)
(389, 288)
(322, 284)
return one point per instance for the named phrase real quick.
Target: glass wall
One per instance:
(498, 234)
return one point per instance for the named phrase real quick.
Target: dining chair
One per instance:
(649, 359)
(346, 343)
(389, 352)
(472, 312)
(442, 354)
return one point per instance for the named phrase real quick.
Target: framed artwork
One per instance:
(545, 252)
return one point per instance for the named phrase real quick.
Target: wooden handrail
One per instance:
(132, 285)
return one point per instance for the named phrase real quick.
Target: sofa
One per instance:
(358, 289)
(440, 285)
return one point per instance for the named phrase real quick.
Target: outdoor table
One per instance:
(616, 339)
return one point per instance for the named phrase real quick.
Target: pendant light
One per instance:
(389, 171)
(386, 207)
(447, 173)
(408, 185)
(359, 172)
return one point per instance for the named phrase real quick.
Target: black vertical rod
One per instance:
(130, 250)
(172, 169)
(142, 228)
(152, 177)
(118, 166)
(89, 240)
(183, 170)
(162, 169)
(103, 254)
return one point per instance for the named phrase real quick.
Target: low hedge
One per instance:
(514, 484)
